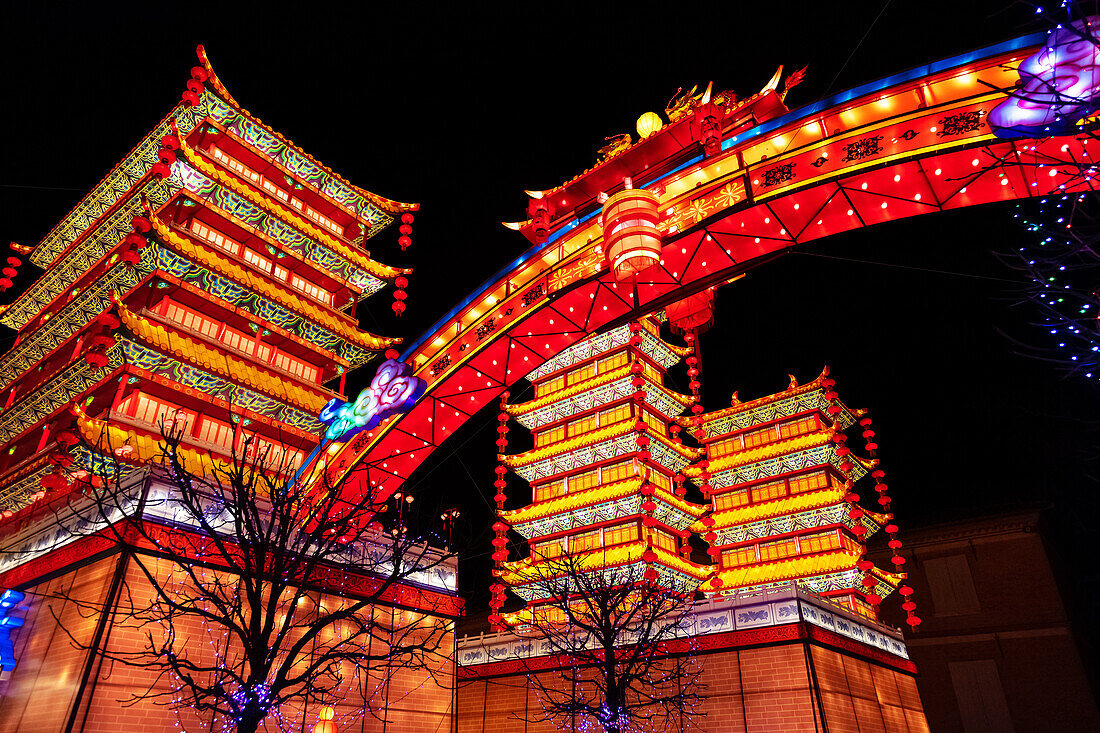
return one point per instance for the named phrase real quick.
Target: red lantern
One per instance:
(14, 261)
(198, 73)
(398, 307)
(406, 218)
(5, 283)
(161, 169)
(400, 295)
(171, 142)
(401, 282)
(195, 86)
(404, 242)
(190, 98)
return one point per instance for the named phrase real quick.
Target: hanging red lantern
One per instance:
(404, 241)
(198, 73)
(398, 307)
(195, 86)
(161, 169)
(171, 142)
(5, 283)
(190, 98)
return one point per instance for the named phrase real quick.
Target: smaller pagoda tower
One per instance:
(603, 469)
(783, 505)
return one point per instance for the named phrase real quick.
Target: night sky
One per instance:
(462, 109)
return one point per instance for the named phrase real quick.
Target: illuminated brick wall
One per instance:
(759, 689)
(41, 692)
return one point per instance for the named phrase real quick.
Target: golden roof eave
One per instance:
(208, 257)
(800, 389)
(596, 495)
(595, 436)
(520, 572)
(764, 452)
(597, 380)
(223, 363)
(388, 205)
(286, 214)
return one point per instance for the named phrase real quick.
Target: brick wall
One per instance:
(751, 690)
(41, 692)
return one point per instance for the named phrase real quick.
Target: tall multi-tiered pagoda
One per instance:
(210, 282)
(603, 469)
(783, 506)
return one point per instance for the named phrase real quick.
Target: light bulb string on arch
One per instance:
(895, 545)
(500, 529)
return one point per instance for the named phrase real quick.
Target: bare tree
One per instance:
(256, 586)
(612, 636)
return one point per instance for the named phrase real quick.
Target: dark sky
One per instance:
(462, 108)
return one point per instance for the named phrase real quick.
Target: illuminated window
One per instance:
(760, 437)
(550, 490)
(270, 454)
(819, 542)
(276, 191)
(297, 367)
(216, 432)
(659, 479)
(768, 491)
(305, 286)
(585, 541)
(653, 421)
(778, 550)
(548, 550)
(617, 472)
(550, 385)
(296, 204)
(664, 540)
(651, 371)
(582, 481)
(188, 318)
(615, 414)
(255, 258)
(157, 412)
(808, 482)
(234, 165)
(620, 534)
(547, 437)
(731, 500)
(579, 375)
(215, 237)
(613, 362)
(800, 426)
(324, 221)
(739, 557)
(724, 447)
(281, 273)
(583, 425)
(238, 340)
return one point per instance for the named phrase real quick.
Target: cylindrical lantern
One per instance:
(630, 234)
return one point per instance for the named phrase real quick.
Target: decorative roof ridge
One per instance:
(768, 450)
(91, 191)
(792, 391)
(607, 492)
(776, 507)
(841, 559)
(596, 380)
(595, 436)
(389, 205)
(623, 554)
(153, 333)
(379, 270)
(283, 295)
(539, 509)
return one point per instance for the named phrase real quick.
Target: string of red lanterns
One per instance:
(195, 86)
(10, 271)
(895, 545)
(500, 529)
(695, 365)
(642, 442)
(406, 230)
(399, 295)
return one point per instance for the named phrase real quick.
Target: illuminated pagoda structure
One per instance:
(603, 469)
(209, 282)
(783, 507)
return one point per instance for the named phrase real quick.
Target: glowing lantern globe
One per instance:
(326, 724)
(649, 123)
(631, 239)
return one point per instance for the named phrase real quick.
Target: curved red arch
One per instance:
(911, 144)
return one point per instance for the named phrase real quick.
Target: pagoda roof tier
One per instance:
(289, 216)
(782, 516)
(520, 573)
(794, 400)
(596, 391)
(19, 485)
(661, 352)
(220, 361)
(782, 456)
(598, 504)
(283, 295)
(835, 570)
(388, 205)
(601, 444)
(220, 106)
